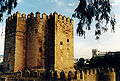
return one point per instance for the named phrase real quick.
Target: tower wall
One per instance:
(9, 49)
(40, 43)
(35, 40)
(64, 49)
(14, 50)
(20, 47)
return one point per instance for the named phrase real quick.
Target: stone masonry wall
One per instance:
(9, 49)
(64, 45)
(35, 41)
(20, 47)
(41, 43)
(15, 42)
(97, 75)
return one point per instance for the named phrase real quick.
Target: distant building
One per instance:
(102, 53)
(113, 53)
(95, 53)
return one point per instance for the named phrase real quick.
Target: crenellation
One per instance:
(18, 14)
(48, 17)
(28, 16)
(9, 18)
(31, 15)
(14, 14)
(91, 72)
(38, 15)
(44, 16)
(23, 15)
(55, 17)
(87, 72)
(64, 19)
(112, 70)
(71, 21)
(51, 14)
(60, 18)
(68, 20)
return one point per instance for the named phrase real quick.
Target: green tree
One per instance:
(80, 63)
(7, 6)
(94, 10)
(105, 61)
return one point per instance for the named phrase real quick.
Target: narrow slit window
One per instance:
(8, 66)
(40, 49)
(36, 30)
(61, 43)
(67, 40)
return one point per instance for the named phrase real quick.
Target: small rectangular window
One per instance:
(61, 43)
(67, 40)
(40, 49)
(36, 30)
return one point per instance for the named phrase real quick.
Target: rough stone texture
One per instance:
(82, 75)
(64, 49)
(39, 43)
(20, 48)
(95, 75)
(35, 42)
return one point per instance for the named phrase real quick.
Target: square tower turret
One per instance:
(15, 43)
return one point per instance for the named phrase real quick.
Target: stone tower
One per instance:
(64, 45)
(15, 43)
(35, 41)
(39, 43)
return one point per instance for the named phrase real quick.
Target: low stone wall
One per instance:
(96, 74)
(108, 74)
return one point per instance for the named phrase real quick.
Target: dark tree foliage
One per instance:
(94, 10)
(7, 5)
(80, 63)
(105, 61)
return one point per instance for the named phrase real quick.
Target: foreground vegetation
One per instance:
(107, 61)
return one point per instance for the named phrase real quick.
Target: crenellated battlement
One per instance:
(66, 76)
(59, 18)
(63, 19)
(92, 71)
(40, 36)
(94, 74)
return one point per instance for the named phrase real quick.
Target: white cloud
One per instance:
(19, 1)
(116, 2)
(69, 10)
(59, 2)
(54, 0)
(71, 4)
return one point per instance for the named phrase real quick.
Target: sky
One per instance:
(82, 47)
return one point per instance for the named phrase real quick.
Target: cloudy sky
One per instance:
(82, 47)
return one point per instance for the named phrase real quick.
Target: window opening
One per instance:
(40, 49)
(67, 40)
(36, 30)
(61, 43)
